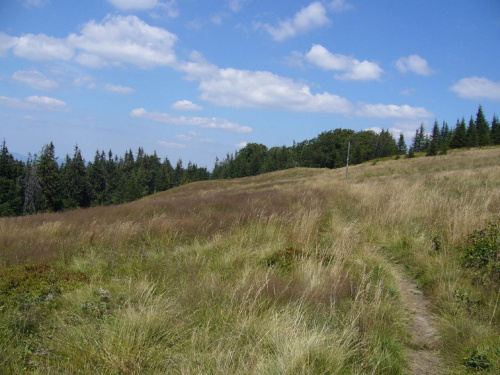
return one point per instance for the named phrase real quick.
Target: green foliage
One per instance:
(283, 259)
(477, 361)
(482, 253)
(483, 128)
(31, 284)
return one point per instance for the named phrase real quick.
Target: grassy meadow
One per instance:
(290, 272)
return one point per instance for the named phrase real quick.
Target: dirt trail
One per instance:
(423, 356)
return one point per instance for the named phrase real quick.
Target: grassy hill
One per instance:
(291, 272)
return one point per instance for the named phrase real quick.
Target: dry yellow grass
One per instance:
(292, 272)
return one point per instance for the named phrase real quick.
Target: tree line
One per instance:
(41, 184)
(329, 149)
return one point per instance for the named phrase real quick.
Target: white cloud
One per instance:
(34, 3)
(34, 79)
(202, 122)
(392, 110)
(407, 92)
(354, 69)
(477, 88)
(170, 6)
(90, 61)
(85, 81)
(235, 5)
(134, 4)
(310, 17)
(6, 43)
(119, 89)
(119, 39)
(113, 41)
(241, 145)
(340, 6)
(170, 144)
(42, 47)
(42, 103)
(414, 64)
(189, 136)
(186, 105)
(260, 89)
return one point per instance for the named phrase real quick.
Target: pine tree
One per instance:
(10, 187)
(49, 174)
(495, 131)
(472, 140)
(75, 184)
(435, 141)
(402, 149)
(459, 138)
(32, 187)
(483, 128)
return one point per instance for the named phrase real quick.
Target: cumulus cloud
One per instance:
(414, 64)
(119, 39)
(113, 41)
(187, 137)
(477, 88)
(6, 43)
(170, 144)
(241, 145)
(34, 3)
(260, 89)
(235, 5)
(170, 6)
(42, 103)
(85, 81)
(186, 105)
(34, 79)
(119, 89)
(391, 110)
(308, 18)
(202, 122)
(340, 6)
(354, 69)
(41, 47)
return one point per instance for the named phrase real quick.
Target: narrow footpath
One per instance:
(423, 356)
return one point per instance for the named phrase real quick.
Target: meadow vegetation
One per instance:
(290, 272)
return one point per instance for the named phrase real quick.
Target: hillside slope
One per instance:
(292, 272)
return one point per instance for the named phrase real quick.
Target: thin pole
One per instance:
(347, 167)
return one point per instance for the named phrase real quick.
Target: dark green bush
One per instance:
(482, 253)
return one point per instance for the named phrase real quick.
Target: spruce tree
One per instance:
(32, 187)
(495, 131)
(483, 128)
(459, 138)
(48, 171)
(472, 140)
(75, 184)
(435, 141)
(402, 148)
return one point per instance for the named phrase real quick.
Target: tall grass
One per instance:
(290, 272)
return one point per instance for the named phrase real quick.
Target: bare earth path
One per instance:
(423, 355)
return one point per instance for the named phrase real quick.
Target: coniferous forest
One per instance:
(43, 184)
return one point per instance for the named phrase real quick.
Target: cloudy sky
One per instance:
(195, 79)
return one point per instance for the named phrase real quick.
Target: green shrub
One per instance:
(482, 253)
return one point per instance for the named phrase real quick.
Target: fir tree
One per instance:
(49, 174)
(472, 140)
(459, 138)
(495, 131)
(435, 141)
(483, 128)
(402, 149)
(32, 187)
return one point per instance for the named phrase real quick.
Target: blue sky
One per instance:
(196, 79)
